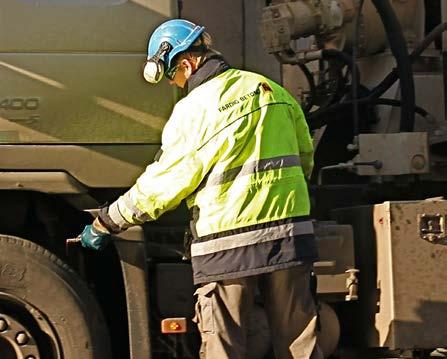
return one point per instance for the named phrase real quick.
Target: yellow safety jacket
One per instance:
(238, 149)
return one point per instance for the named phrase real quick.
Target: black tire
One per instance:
(50, 302)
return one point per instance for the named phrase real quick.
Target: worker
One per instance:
(238, 149)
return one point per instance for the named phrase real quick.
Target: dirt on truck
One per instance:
(78, 125)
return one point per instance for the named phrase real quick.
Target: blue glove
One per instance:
(94, 239)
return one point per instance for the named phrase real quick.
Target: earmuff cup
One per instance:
(153, 71)
(155, 66)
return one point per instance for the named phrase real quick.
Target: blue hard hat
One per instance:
(179, 33)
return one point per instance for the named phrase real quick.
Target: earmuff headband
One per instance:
(155, 66)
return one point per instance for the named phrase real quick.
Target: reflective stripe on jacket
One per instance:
(238, 149)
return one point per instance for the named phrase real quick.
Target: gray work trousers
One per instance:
(223, 311)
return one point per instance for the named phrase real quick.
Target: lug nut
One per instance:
(22, 338)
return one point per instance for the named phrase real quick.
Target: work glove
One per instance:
(95, 236)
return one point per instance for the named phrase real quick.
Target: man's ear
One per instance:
(189, 66)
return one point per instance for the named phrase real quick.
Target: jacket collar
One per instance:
(213, 66)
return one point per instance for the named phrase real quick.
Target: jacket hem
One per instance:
(252, 272)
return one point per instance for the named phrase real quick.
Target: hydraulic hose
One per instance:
(347, 60)
(311, 82)
(355, 107)
(438, 30)
(290, 57)
(318, 118)
(399, 49)
(388, 81)
(379, 90)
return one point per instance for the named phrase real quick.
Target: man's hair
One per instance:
(197, 50)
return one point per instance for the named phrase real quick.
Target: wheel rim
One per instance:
(25, 332)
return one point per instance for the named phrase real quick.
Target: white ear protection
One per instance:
(153, 71)
(154, 68)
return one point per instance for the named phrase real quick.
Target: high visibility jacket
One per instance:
(238, 149)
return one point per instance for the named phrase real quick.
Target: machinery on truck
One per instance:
(78, 125)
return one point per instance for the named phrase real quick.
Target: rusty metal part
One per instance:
(410, 275)
(372, 36)
(332, 22)
(352, 283)
(432, 227)
(410, 153)
(286, 21)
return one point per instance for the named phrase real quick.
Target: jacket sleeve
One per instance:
(305, 142)
(166, 182)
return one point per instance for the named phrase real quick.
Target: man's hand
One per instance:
(95, 236)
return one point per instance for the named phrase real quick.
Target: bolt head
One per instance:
(22, 338)
(418, 162)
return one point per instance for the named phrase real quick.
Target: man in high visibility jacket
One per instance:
(238, 149)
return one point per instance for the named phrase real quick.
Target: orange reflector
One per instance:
(173, 325)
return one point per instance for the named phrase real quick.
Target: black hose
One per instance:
(318, 118)
(289, 57)
(397, 103)
(399, 49)
(389, 80)
(329, 54)
(438, 30)
(355, 108)
(364, 100)
(312, 89)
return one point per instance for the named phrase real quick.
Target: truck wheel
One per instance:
(46, 310)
